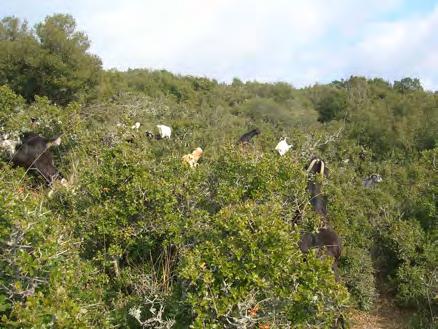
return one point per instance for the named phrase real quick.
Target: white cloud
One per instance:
(301, 42)
(407, 47)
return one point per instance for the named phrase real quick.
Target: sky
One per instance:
(299, 42)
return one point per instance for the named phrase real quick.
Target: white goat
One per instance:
(282, 147)
(165, 131)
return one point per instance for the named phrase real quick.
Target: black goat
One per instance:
(34, 153)
(246, 138)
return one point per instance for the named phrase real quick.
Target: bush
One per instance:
(358, 274)
(10, 103)
(43, 281)
(140, 240)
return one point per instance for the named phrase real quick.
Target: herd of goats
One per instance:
(32, 152)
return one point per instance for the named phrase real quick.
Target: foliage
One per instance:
(137, 239)
(407, 85)
(359, 277)
(43, 280)
(10, 103)
(50, 61)
(331, 104)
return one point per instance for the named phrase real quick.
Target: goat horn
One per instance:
(311, 165)
(55, 141)
(322, 168)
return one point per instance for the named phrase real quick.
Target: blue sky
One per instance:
(301, 42)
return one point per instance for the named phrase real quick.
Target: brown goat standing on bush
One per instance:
(326, 238)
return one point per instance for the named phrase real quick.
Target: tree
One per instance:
(406, 85)
(51, 60)
(12, 29)
(332, 105)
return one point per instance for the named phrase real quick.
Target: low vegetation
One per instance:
(139, 239)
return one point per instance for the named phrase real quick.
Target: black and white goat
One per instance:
(374, 179)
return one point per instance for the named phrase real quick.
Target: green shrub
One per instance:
(248, 259)
(358, 275)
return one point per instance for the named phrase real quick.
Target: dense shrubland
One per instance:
(140, 240)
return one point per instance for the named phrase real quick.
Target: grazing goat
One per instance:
(34, 153)
(325, 240)
(372, 180)
(192, 158)
(317, 199)
(164, 131)
(326, 237)
(246, 138)
(282, 147)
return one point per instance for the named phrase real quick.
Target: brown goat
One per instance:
(326, 238)
(317, 199)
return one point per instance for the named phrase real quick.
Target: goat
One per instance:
(282, 147)
(372, 180)
(34, 153)
(164, 131)
(192, 158)
(326, 237)
(317, 199)
(246, 138)
(325, 240)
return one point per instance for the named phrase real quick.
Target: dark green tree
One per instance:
(332, 105)
(406, 85)
(52, 60)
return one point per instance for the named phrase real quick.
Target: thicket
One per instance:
(140, 240)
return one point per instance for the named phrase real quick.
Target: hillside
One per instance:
(138, 239)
